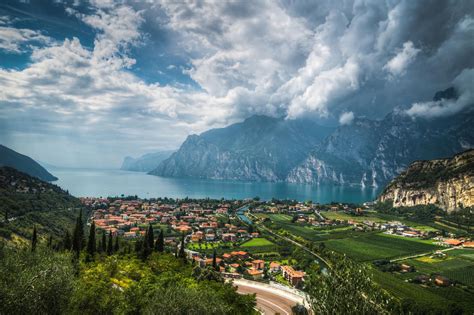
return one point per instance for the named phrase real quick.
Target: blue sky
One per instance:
(85, 83)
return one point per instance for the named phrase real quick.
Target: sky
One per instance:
(85, 83)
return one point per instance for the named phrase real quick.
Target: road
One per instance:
(295, 243)
(270, 300)
(422, 254)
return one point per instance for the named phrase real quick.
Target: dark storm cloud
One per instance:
(151, 73)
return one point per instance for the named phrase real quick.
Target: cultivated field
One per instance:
(379, 246)
(259, 241)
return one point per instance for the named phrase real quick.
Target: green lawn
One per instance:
(378, 246)
(259, 241)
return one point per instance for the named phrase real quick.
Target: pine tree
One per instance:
(103, 243)
(214, 260)
(110, 246)
(67, 242)
(160, 242)
(91, 243)
(34, 239)
(150, 237)
(116, 246)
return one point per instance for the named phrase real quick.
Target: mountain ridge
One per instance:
(24, 163)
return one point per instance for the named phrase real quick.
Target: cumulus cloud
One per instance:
(15, 40)
(463, 84)
(281, 58)
(346, 118)
(398, 64)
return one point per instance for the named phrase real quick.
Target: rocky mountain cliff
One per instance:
(371, 153)
(447, 183)
(260, 149)
(23, 163)
(146, 162)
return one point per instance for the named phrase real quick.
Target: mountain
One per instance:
(261, 148)
(371, 153)
(447, 183)
(23, 163)
(28, 201)
(145, 163)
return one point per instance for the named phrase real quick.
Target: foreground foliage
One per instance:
(50, 282)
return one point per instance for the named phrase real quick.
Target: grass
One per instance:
(259, 241)
(378, 246)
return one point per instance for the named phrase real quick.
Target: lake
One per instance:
(92, 182)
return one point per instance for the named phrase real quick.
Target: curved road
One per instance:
(270, 300)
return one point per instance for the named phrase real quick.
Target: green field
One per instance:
(458, 265)
(311, 233)
(259, 241)
(375, 217)
(436, 299)
(379, 246)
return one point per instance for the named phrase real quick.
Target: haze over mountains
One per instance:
(146, 162)
(364, 152)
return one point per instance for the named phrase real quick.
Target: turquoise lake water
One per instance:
(91, 182)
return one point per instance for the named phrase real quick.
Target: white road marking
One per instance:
(260, 298)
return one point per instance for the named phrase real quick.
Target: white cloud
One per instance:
(398, 64)
(464, 84)
(14, 40)
(346, 118)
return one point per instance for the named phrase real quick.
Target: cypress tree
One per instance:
(103, 243)
(182, 254)
(91, 244)
(150, 237)
(138, 247)
(34, 239)
(6, 216)
(78, 241)
(50, 241)
(116, 246)
(146, 245)
(67, 242)
(214, 260)
(160, 242)
(110, 246)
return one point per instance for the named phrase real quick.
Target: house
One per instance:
(442, 281)
(255, 274)
(293, 276)
(274, 266)
(240, 254)
(258, 264)
(468, 244)
(453, 242)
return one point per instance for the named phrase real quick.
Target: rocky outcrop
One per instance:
(447, 183)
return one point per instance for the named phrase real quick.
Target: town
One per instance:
(222, 234)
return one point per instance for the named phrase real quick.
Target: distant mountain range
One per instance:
(23, 163)
(145, 163)
(447, 183)
(259, 149)
(366, 152)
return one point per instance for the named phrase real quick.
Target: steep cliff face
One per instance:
(447, 183)
(259, 149)
(371, 153)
